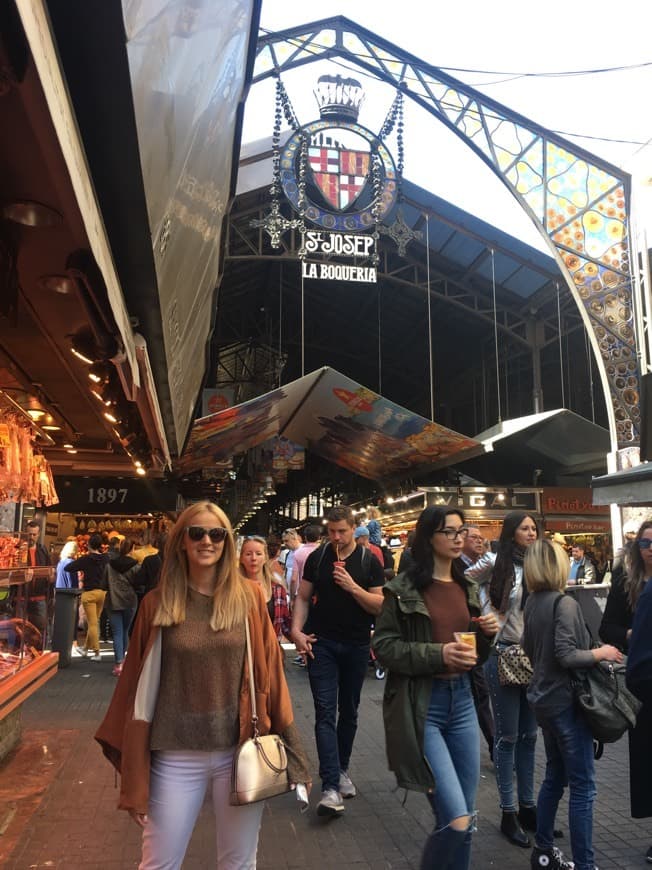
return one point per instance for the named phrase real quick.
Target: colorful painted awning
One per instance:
(336, 418)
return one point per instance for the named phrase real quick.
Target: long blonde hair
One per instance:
(266, 570)
(231, 599)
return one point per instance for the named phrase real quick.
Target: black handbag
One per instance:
(603, 698)
(606, 703)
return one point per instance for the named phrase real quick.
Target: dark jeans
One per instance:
(482, 703)
(515, 741)
(120, 621)
(569, 761)
(336, 675)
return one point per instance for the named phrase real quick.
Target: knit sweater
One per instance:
(201, 673)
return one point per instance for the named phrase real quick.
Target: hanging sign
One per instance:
(340, 245)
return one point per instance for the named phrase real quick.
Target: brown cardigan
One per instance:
(125, 740)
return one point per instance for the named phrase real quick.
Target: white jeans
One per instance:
(178, 783)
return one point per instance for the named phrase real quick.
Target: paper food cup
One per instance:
(468, 638)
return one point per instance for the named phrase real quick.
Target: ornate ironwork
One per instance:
(400, 233)
(580, 203)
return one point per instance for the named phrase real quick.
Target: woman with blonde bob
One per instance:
(557, 641)
(182, 703)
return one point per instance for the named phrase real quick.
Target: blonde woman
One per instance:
(254, 564)
(68, 553)
(181, 706)
(557, 641)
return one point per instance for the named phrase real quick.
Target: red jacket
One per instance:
(124, 734)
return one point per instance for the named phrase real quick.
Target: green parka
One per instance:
(403, 644)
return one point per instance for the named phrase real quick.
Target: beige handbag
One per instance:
(260, 765)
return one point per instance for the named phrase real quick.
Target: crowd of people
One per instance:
(442, 626)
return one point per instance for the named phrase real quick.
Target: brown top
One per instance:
(201, 673)
(448, 609)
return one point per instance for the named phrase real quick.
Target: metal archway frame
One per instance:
(580, 203)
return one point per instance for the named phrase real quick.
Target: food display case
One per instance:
(25, 611)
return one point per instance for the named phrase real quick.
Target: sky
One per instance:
(491, 46)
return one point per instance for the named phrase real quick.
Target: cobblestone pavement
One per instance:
(64, 813)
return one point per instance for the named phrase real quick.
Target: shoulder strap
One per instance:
(586, 625)
(252, 686)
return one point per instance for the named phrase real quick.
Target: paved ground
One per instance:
(58, 797)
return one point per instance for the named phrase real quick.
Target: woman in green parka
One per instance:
(431, 727)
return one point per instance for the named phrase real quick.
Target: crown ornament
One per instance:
(339, 99)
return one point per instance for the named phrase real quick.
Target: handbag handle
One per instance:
(252, 687)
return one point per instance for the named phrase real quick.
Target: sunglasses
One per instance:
(197, 533)
(644, 543)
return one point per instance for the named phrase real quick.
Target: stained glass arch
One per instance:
(580, 203)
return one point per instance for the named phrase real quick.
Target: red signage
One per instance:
(570, 500)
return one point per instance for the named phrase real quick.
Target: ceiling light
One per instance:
(57, 284)
(51, 427)
(110, 416)
(71, 450)
(69, 446)
(138, 463)
(31, 214)
(81, 356)
(140, 470)
(91, 347)
(36, 413)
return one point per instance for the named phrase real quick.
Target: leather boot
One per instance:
(443, 848)
(527, 816)
(511, 828)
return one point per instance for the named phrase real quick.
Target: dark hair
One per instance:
(312, 534)
(339, 513)
(33, 524)
(432, 519)
(273, 548)
(636, 569)
(502, 578)
(161, 541)
(114, 541)
(95, 541)
(410, 538)
(126, 546)
(579, 546)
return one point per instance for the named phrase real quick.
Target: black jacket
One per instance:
(147, 577)
(94, 566)
(617, 617)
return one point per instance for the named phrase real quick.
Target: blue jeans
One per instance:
(515, 740)
(452, 749)
(569, 761)
(336, 675)
(120, 622)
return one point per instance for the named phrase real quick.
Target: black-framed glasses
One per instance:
(216, 534)
(644, 543)
(451, 534)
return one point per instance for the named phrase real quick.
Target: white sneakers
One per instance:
(331, 803)
(82, 651)
(347, 789)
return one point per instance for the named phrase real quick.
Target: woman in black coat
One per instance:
(627, 583)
